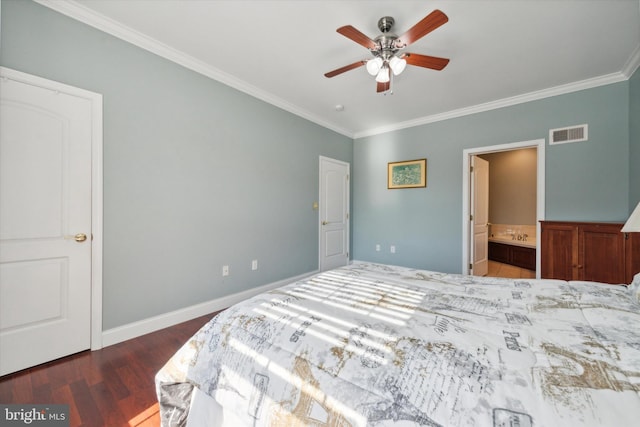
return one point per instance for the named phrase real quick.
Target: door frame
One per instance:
(467, 241)
(95, 100)
(319, 206)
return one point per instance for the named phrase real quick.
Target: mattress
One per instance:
(381, 345)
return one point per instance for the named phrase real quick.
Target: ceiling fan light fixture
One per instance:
(397, 65)
(383, 75)
(374, 65)
(386, 49)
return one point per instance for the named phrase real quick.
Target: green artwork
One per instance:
(409, 174)
(406, 175)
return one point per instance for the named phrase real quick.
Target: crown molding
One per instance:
(77, 11)
(632, 63)
(500, 103)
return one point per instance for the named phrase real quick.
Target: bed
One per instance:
(380, 345)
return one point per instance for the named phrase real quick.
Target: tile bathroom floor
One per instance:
(497, 269)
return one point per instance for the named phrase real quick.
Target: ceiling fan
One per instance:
(387, 49)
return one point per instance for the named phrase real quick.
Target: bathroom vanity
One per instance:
(512, 253)
(513, 244)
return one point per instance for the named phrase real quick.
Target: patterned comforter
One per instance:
(380, 345)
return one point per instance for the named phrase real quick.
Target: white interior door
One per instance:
(480, 215)
(334, 213)
(45, 224)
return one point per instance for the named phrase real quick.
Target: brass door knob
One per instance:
(325, 222)
(80, 237)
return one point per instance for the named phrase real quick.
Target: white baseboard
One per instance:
(152, 324)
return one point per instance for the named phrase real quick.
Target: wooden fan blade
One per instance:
(433, 62)
(422, 28)
(382, 87)
(351, 33)
(344, 69)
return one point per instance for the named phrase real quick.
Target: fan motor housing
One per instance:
(385, 23)
(386, 41)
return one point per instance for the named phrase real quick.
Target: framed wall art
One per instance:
(407, 174)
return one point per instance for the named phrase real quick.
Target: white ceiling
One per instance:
(502, 52)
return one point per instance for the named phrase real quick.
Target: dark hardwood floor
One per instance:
(109, 387)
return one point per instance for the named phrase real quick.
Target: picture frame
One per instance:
(407, 174)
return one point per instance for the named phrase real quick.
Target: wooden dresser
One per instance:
(594, 251)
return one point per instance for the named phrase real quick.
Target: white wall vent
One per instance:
(569, 134)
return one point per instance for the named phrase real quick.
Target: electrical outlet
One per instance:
(392, 249)
(254, 264)
(225, 270)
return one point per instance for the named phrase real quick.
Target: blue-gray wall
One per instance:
(634, 140)
(196, 174)
(584, 181)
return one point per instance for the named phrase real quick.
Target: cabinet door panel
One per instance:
(523, 257)
(602, 253)
(559, 245)
(499, 252)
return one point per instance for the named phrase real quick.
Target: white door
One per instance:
(334, 213)
(45, 224)
(480, 215)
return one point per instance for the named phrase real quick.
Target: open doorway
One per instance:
(511, 216)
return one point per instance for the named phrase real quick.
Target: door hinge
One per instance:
(471, 169)
(470, 266)
(347, 215)
(347, 177)
(470, 217)
(347, 254)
